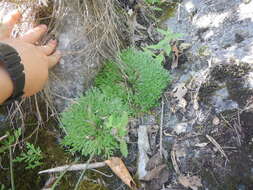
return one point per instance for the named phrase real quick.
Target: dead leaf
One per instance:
(155, 173)
(179, 92)
(175, 57)
(155, 178)
(192, 182)
(154, 161)
(119, 168)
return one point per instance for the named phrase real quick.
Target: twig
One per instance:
(58, 180)
(235, 128)
(174, 160)
(3, 137)
(106, 175)
(161, 130)
(11, 170)
(82, 174)
(212, 140)
(75, 167)
(178, 10)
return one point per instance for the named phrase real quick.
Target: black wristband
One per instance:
(11, 61)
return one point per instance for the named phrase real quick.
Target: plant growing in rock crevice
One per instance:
(32, 157)
(139, 80)
(163, 46)
(97, 123)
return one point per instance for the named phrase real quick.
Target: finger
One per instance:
(49, 48)
(54, 59)
(34, 34)
(8, 23)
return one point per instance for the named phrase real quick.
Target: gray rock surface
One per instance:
(71, 76)
(219, 97)
(224, 28)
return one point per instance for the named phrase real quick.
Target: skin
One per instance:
(37, 60)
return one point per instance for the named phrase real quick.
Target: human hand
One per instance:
(37, 60)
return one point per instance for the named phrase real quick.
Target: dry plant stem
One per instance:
(174, 160)
(106, 175)
(236, 128)
(11, 170)
(161, 130)
(3, 137)
(58, 180)
(212, 140)
(83, 172)
(75, 167)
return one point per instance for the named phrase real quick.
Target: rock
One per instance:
(219, 82)
(143, 148)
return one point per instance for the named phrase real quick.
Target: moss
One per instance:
(224, 72)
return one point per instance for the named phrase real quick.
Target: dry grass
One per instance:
(101, 24)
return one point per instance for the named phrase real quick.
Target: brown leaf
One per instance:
(175, 57)
(155, 173)
(154, 161)
(119, 168)
(155, 178)
(192, 182)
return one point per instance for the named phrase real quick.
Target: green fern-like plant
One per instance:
(32, 157)
(96, 124)
(138, 81)
(11, 139)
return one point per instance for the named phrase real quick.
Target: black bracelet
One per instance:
(11, 61)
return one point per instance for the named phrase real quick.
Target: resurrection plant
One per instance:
(139, 80)
(97, 123)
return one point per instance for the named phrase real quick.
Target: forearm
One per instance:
(6, 86)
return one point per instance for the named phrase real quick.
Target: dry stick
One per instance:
(11, 170)
(161, 130)
(212, 140)
(3, 137)
(83, 172)
(174, 160)
(75, 167)
(178, 10)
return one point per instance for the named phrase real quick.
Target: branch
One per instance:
(74, 167)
